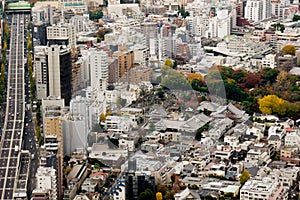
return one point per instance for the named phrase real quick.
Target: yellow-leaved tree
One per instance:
(273, 104)
(194, 76)
(168, 62)
(159, 196)
(289, 49)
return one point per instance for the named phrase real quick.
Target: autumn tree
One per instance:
(163, 189)
(102, 117)
(159, 196)
(168, 62)
(194, 76)
(289, 49)
(273, 104)
(252, 80)
(244, 177)
(282, 76)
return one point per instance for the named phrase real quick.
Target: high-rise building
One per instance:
(253, 10)
(41, 71)
(125, 60)
(97, 61)
(60, 72)
(257, 10)
(136, 183)
(219, 25)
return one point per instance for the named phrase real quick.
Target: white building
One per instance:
(292, 139)
(46, 181)
(264, 188)
(253, 10)
(97, 61)
(219, 26)
(257, 10)
(269, 61)
(40, 70)
(62, 32)
(82, 23)
(75, 133)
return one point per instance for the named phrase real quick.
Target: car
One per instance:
(29, 140)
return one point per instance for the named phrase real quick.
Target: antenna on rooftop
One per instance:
(62, 6)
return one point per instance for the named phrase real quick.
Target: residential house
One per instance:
(187, 194)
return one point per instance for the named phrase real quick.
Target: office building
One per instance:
(60, 72)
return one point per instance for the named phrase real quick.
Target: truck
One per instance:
(16, 149)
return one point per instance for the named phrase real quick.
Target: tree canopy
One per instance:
(174, 80)
(146, 195)
(95, 15)
(244, 177)
(168, 62)
(272, 104)
(289, 49)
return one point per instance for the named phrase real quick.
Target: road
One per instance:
(11, 140)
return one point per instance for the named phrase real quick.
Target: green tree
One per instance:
(289, 49)
(277, 27)
(146, 195)
(175, 80)
(296, 18)
(95, 15)
(244, 177)
(199, 132)
(151, 127)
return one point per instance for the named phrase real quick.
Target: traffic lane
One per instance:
(4, 153)
(3, 162)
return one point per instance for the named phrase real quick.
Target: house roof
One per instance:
(187, 194)
(274, 138)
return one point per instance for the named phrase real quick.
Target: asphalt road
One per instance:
(12, 135)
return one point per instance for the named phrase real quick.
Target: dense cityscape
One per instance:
(150, 100)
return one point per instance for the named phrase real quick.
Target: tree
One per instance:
(146, 195)
(277, 27)
(159, 196)
(68, 169)
(163, 189)
(244, 177)
(193, 76)
(282, 76)
(296, 18)
(175, 80)
(151, 127)
(252, 80)
(273, 104)
(168, 62)
(95, 15)
(102, 117)
(269, 74)
(289, 49)
(199, 132)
